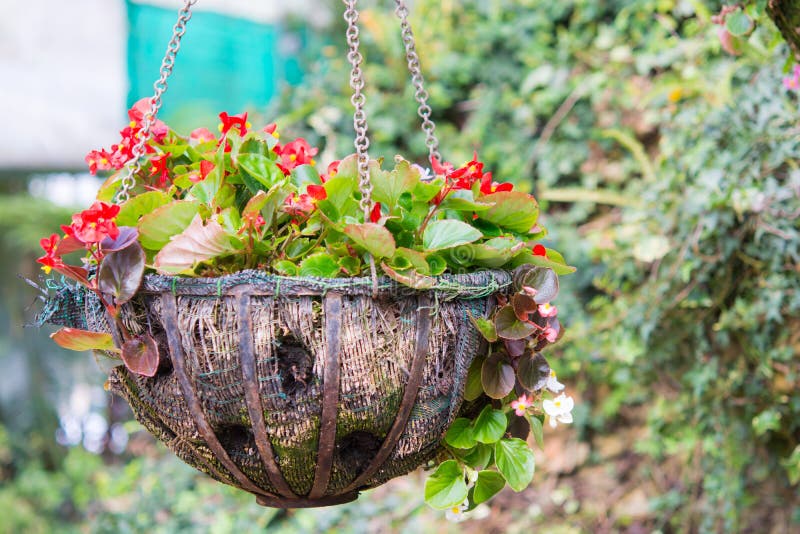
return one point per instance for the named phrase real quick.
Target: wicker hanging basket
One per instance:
(301, 391)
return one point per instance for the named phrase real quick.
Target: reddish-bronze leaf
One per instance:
(82, 340)
(140, 355)
(497, 376)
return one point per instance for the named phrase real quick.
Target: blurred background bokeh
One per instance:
(668, 169)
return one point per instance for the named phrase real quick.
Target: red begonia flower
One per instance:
(95, 224)
(375, 214)
(317, 192)
(539, 250)
(294, 154)
(158, 166)
(202, 135)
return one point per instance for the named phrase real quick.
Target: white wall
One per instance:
(63, 75)
(62, 80)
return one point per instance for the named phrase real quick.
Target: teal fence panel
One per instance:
(225, 63)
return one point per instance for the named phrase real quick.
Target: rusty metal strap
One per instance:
(330, 395)
(253, 397)
(170, 313)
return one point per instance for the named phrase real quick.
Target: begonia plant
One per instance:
(210, 205)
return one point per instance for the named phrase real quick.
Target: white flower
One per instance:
(424, 174)
(457, 514)
(553, 384)
(559, 409)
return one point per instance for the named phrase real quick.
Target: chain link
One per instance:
(358, 100)
(167, 64)
(420, 94)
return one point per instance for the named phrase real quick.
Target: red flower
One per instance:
(441, 169)
(317, 192)
(50, 260)
(375, 214)
(98, 160)
(271, 129)
(464, 177)
(293, 154)
(201, 135)
(205, 168)
(298, 205)
(233, 121)
(158, 165)
(95, 224)
(158, 129)
(488, 186)
(333, 169)
(539, 250)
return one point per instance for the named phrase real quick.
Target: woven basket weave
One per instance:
(301, 391)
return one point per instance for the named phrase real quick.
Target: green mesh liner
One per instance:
(377, 340)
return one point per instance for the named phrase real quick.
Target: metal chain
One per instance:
(361, 141)
(420, 94)
(358, 100)
(167, 64)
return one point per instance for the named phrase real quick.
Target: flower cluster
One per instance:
(466, 177)
(121, 153)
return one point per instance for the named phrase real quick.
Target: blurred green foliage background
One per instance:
(668, 174)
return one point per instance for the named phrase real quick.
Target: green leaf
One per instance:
(485, 327)
(446, 488)
(409, 277)
(83, 340)
(120, 273)
(414, 259)
(339, 190)
(544, 280)
(286, 268)
(140, 355)
(197, 243)
(321, 265)
(509, 326)
(303, 175)
(533, 371)
(376, 239)
(536, 429)
(350, 265)
(490, 425)
(487, 229)
(489, 483)
(464, 200)
(261, 168)
(425, 191)
(459, 435)
(474, 388)
(515, 462)
(512, 210)
(497, 376)
(135, 207)
(527, 257)
(436, 263)
(480, 457)
(156, 228)
(255, 204)
(387, 187)
(448, 233)
(738, 23)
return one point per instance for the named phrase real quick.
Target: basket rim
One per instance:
(477, 284)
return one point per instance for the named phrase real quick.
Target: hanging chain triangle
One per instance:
(160, 86)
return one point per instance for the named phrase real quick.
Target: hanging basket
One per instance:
(301, 391)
